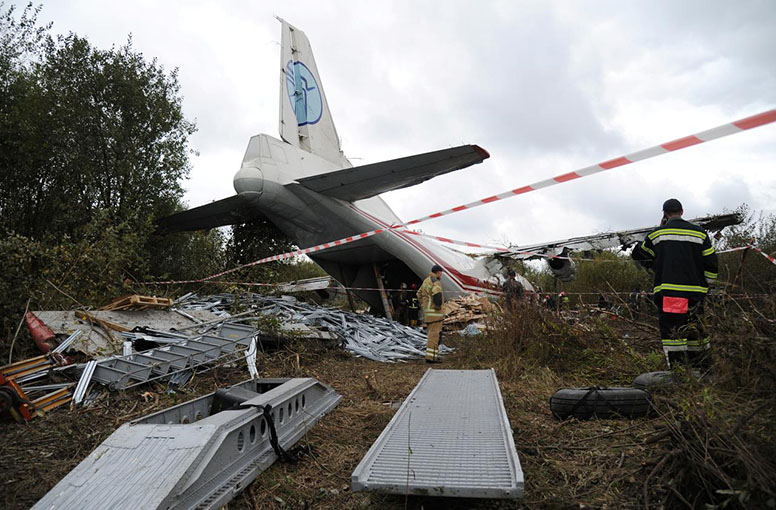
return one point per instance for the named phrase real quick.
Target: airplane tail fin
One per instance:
(305, 119)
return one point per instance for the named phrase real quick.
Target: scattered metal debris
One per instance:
(371, 337)
(199, 454)
(66, 344)
(470, 330)
(451, 437)
(45, 387)
(14, 398)
(250, 358)
(181, 378)
(95, 342)
(83, 382)
(308, 284)
(197, 330)
(122, 372)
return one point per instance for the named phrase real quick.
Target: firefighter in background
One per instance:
(513, 290)
(685, 265)
(414, 305)
(563, 301)
(432, 301)
(400, 302)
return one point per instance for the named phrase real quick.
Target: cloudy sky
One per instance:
(545, 87)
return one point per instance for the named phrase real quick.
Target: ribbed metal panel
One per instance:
(164, 462)
(118, 475)
(451, 437)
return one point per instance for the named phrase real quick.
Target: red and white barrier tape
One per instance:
(731, 128)
(499, 249)
(771, 259)
(453, 241)
(443, 239)
(275, 258)
(410, 290)
(256, 284)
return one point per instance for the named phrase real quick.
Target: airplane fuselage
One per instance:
(268, 174)
(304, 184)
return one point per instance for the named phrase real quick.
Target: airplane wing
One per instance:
(623, 238)
(367, 181)
(228, 211)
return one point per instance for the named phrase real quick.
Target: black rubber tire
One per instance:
(652, 380)
(585, 403)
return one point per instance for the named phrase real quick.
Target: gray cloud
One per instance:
(545, 87)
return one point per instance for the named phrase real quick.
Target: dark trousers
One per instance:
(684, 338)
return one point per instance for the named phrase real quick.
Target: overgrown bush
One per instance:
(721, 451)
(530, 336)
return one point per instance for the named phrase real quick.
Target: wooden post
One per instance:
(350, 300)
(347, 286)
(383, 294)
(740, 271)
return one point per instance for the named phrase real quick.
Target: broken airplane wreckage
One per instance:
(198, 454)
(194, 334)
(306, 186)
(201, 453)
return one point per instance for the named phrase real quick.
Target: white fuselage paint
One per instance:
(270, 165)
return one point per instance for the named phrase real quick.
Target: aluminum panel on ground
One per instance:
(198, 454)
(451, 437)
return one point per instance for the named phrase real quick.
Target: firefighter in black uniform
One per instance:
(685, 265)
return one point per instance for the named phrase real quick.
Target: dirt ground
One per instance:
(570, 464)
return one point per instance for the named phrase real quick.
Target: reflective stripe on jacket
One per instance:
(431, 286)
(682, 256)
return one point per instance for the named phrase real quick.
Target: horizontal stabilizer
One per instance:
(366, 181)
(229, 211)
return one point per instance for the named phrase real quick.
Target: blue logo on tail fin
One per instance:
(304, 93)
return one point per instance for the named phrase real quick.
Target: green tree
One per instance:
(254, 241)
(751, 272)
(93, 146)
(85, 130)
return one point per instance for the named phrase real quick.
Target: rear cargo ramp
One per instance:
(451, 437)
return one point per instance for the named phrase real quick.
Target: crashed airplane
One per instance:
(304, 184)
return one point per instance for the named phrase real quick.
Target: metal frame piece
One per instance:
(123, 372)
(198, 454)
(250, 359)
(83, 382)
(64, 345)
(451, 437)
(13, 396)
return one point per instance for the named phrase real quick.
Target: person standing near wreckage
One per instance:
(685, 265)
(513, 290)
(432, 301)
